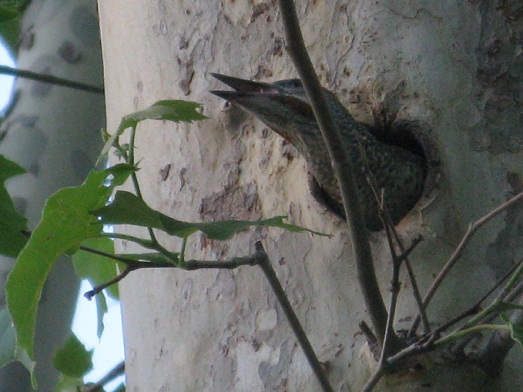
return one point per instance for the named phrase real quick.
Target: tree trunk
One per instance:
(53, 132)
(451, 65)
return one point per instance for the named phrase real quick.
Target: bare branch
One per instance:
(259, 257)
(342, 168)
(373, 381)
(5, 70)
(294, 322)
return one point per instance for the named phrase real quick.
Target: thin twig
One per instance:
(298, 330)
(50, 79)
(91, 293)
(191, 265)
(492, 308)
(341, 166)
(391, 231)
(475, 308)
(111, 256)
(117, 371)
(369, 335)
(458, 335)
(387, 347)
(412, 277)
(473, 227)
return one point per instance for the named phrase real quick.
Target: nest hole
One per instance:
(412, 135)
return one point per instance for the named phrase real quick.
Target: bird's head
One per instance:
(282, 105)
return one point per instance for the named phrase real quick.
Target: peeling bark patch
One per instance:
(27, 39)
(266, 319)
(258, 10)
(183, 43)
(69, 52)
(234, 202)
(183, 170)
(223, 289)
(163, 27)
(164, 172)
(186, 291)
(222, 373)
(277, 47)
(273, 374)
(185, 83)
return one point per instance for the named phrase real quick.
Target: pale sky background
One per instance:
(108, 352)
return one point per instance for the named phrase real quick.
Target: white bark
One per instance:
(53, 132)
(218, 330)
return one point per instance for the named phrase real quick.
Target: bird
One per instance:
(381, 171)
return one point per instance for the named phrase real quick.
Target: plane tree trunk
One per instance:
(452, 66)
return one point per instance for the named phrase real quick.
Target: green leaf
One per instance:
(516, 330)
(101, 311)
(166, 110)
(10, 23)
(66, 222)
(69, 384)
(505, 306)
(7, 14)
(120, 388)
(95, 268)
(10, 33)
(73, 359)
(127, 208)
(12, 222)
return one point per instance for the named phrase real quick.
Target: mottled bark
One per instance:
(451, 65)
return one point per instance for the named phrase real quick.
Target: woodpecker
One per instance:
(381, 169)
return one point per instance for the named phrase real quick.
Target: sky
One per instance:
(6, 81)
(108, 352)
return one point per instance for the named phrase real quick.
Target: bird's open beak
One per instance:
(268, 102)
(243, 87)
